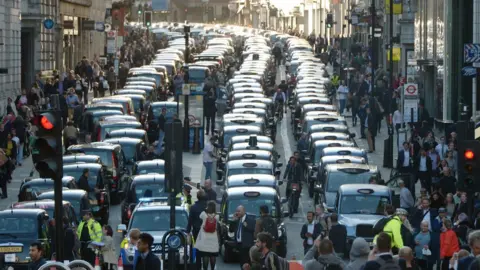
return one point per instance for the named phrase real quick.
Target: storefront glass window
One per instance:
(431, 4)
(440, 28)
(439, 92)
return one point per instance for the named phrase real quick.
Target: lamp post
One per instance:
(186, 121)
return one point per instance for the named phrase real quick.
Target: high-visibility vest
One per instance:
(94, 230)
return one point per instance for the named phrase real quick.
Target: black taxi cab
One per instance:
(318, 136)
(258, 146)
(49, 207)
(81, 158)
(32, 187)
(251, 199)
(336, 175)
(309, 121)
(246, 138)
(150, 185)
(244, 154)
(132, 148)
(129, 133)
(18, 228)
(359, 207)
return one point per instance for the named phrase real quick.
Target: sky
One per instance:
(286, 5)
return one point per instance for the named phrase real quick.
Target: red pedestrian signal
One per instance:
(45, 122)
(48, 144)
(469, 155)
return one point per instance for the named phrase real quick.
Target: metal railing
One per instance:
(73, 265)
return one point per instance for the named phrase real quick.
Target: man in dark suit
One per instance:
(310, 231)
(370, 129)
(404, 166)
(423, 169)
(244, 227)
(381, 255)
(146, 260)
(194, 221)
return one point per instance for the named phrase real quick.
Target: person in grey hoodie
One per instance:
(322, 254)
(358, 254)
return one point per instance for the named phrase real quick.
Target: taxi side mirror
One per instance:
(121, 228)
(315, 169)
(284, 200)
(352, 135)
(285, 214)
(279, 164)
(280, 182)
(307, 159)
(215, 131)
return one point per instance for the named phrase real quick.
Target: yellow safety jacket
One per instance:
(94, 230)
(335, 80)
(393, 228)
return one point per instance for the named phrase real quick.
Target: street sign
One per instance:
(410, 89)
(68, 25)
(108, 27)
(471, 53)
(88, 25)
(48, 24)
(469, 71)
(186, 89)
(160, 5)
(100, 26)
(111, 34)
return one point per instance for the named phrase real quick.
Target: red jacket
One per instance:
(448, 243)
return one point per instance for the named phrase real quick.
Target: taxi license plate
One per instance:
(11, 249)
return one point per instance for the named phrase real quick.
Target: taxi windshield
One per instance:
(105, 157)
(129, 150)
(252, 205)
(18, 225)
(77, 173)
(227, 137)
(363, 204)
(157, 110)
(158, 220)
(237, 171)
(338, 178)
(196, 75)
(150, 190)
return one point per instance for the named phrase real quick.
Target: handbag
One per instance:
(105, 84)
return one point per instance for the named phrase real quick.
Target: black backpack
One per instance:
(270, 226)
(378, 227)
(332, 267)
(389, 264)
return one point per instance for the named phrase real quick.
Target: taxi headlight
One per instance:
(280, 233)
(231, 234)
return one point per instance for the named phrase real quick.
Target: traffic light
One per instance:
(174, 157)
(48, 160)
(468, 163)
(329, 20)
(148, 18)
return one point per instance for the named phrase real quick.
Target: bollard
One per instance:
(120, 264)
(97, 263)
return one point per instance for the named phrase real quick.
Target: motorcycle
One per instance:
(293, 200)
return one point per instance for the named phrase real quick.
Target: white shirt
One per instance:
(240, 229)
(17, 141)
(441, 150)
(406, 158)
(207, 150)
(426, 218)
(406, 198)
(342, 92)
(310, 229)
(423, 164)
(397, 118)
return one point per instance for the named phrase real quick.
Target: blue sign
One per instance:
(48, 24)
(471, 53)
(469, 71)
(160, 5)
(100, 26)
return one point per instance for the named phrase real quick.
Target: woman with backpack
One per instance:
(207, 240)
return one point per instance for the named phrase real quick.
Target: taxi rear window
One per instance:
(18, 225)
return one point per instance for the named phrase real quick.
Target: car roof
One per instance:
(82, 166)
(124, 140)
(336, 158)
(336, 149)
(81, 157)
(329, 134)
(47, 203)
(328, 126)
(67, 193)
(241, 128)
(242, 177)
(127, 131)
(241, 190)
(353, 188)
(337, 167)
(252, 153)
(28, 211)
(164, 104)
(245, 138)
(94, 145)
(330, 143)
(65, 179)
(149, 177)
(259, 163)
(153, 162)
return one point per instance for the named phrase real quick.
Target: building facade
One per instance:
(10, 51)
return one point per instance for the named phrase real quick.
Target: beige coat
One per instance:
(207, 242)
(108, 251)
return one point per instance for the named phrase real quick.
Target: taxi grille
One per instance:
(364, 230)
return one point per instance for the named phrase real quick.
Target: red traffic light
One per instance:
(46, 124)
(469, 154)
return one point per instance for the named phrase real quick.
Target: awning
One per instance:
(240, 8)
